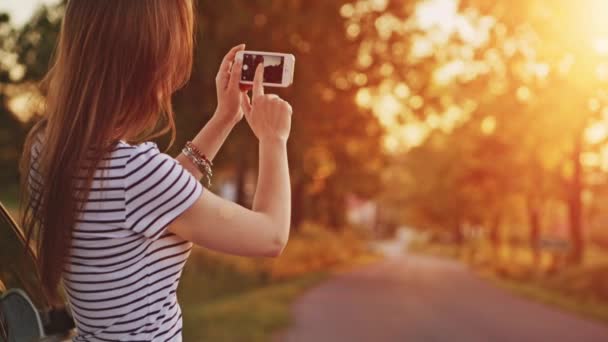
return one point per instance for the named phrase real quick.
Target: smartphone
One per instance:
(278, 67)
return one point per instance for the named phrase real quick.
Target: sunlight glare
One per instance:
(601, 46)
(591, 159)
(421, 47)
(364, 98)
(596, 133)
(488, 125)
(437, 13)
(402, 90)
(445, 74)
(524, 94)
(416, 102)
(413, 134)
(595, 16)
(433, 121)
(386, 109)
(347, 10)
(602, 72)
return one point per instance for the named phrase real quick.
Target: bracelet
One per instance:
(199, 159)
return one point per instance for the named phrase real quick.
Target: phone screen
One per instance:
(273, 67)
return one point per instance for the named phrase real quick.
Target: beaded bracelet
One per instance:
(200, 160)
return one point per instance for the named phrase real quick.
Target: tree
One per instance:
(11, 130)
(335, 146)
(520, 65)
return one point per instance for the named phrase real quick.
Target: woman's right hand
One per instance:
(269, 116)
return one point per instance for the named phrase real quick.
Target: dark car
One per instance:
(25, 312)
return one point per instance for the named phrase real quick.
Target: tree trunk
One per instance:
(335, 207)
(336, 212)
(457, 233)
(534, 222)
(495, 238)
(575, 205)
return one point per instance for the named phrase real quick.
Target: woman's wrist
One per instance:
(228, 120)
(274, 142)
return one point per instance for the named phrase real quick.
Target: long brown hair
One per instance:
(115, 67)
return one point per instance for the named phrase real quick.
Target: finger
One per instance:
(235, 75)
(247, 108)
(258, 80)
(246, 104)
(229, 58)
(221, 80)
(289, 108)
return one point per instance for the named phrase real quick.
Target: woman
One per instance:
(115, 218)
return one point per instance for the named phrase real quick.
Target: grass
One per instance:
(584, 306)
(232, 298)
(580, 289)
(253, 315)
(439, 250)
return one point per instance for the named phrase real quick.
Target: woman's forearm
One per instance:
(273, 191)
(209, 141)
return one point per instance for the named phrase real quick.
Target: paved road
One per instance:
(415, 298)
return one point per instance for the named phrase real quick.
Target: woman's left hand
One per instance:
(229, 94)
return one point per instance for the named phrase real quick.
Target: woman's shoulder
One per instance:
(142, 158)
(135, 152)
(135, 149)
(123, 155)
(123, 145)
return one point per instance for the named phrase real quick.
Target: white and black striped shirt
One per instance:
(123, 267)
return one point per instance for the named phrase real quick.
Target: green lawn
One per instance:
(252, 315)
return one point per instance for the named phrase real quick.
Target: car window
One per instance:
(17, 268)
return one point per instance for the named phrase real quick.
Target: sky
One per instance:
(21, 10)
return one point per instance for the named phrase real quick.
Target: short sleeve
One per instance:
(157, 190)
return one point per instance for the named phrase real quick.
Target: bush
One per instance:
(315, 248)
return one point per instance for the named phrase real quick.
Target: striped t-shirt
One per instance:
(123, 267)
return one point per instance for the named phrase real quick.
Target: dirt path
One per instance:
(416, 298)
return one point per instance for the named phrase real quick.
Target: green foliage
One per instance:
(328, 128)
(37, 39)
(11, 143)
(517, 111)
(506, 97)
(11, 130)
